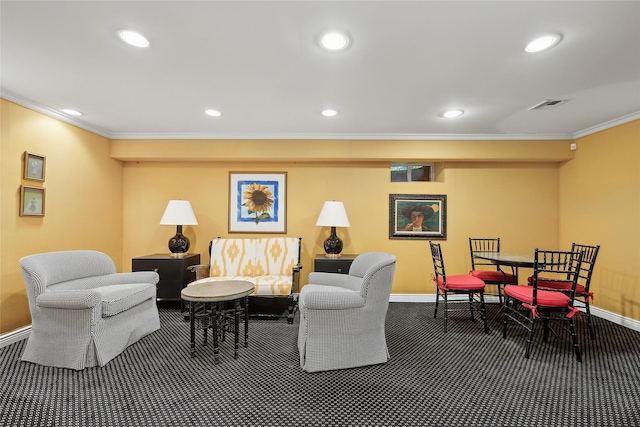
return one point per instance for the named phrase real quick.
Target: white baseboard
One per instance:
(616, 318)
(23, 333)
(15, 336)
(595, 311)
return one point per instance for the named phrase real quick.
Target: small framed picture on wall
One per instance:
(31, 201)
(34, 166)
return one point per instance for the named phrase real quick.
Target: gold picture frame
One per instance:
(31, 201)
(418, 216)
(34, 166)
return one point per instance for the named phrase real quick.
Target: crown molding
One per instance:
(346, 136)
(616, 122)
(50, 112)
(307, 136)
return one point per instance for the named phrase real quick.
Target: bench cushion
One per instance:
(264, 285)
(119, 298)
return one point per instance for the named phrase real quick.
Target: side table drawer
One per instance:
(166, 269)
(333, 265)
(172, 271)
(169, 289)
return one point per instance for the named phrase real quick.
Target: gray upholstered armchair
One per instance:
(83, 313)
(342, 316)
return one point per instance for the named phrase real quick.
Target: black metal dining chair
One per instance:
(528, 305)
(456, 284)
(583, 295)
(488, 272)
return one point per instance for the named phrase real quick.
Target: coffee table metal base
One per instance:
(207, 310)
(214, 316)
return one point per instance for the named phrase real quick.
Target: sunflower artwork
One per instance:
(257, 202)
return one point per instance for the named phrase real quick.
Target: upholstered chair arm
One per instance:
(323, 297)
(336, 279)
(132, 277)
(201, 270)
(72, 300)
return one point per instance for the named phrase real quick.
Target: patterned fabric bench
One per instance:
(83, 312)
(272, 264)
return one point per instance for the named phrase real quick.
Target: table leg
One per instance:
(246, 322)
(205, 322)
(236, 329)
(214, 323)
(192, 316)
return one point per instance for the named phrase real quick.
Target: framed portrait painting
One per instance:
(414, 216)
(31, 201)
(257, 202)
(34, 166)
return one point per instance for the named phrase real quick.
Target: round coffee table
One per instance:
(212, 293)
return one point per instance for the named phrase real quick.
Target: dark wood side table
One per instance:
(327, 264)
(173, 273)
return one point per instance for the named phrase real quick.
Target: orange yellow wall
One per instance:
(83, 199)
(484, 199)
(600, 204)
(110, 195)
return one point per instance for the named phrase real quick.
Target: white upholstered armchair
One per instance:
(83, 313)
(342, 316)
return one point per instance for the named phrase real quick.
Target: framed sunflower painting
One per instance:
(257, 202)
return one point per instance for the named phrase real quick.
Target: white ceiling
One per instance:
(259, 64)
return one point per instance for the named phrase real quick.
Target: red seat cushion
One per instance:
(545, 298)
(462, 282)
(562, 285)
(492, 276)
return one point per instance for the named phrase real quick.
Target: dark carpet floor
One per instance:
(463, 378)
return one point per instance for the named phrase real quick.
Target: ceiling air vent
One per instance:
(548, 104)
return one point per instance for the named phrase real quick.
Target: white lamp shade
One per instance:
(333, 215)
(178, 212)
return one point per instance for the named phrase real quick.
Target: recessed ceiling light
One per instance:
(133, 38)
(451, 114)
(329, 113)
(334, 41)
(213, 113)
(542, 43)
(71, 112)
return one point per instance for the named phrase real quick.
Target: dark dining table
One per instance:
(509, 260)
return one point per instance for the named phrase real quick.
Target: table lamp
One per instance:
(333, 215)
(179, 213)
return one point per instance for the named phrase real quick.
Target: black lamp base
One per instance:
(333, 244)
(179, 244)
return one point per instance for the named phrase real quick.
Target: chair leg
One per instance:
(471, 305)
(291, 309)
(446, 311)
(483, 313)
(435, 310)
(545, 335)
(505, 316)
(530, 337)
(574, 336)
(592, 332)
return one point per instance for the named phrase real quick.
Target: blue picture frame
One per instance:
(257, 202)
